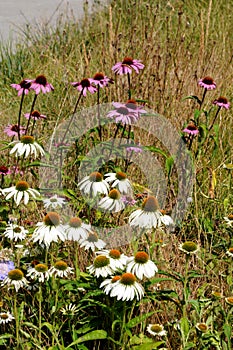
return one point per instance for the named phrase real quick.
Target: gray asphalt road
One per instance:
(15, 13)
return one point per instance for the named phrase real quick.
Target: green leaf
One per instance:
(184, 326)
(99, 334)
(169, 165)
(156, 150)
(192, 97)
(228, 166)
(148, 346)
(139, 319)
(190, 346)
(227, 331)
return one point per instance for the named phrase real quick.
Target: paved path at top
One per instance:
(14, 13)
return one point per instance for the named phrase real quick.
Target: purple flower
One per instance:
(22, 87)
(191, 129)
(12, 130)
(127, 200)
(127, 65)
(41, 84)
(5, 267)
(222, 102)
(101, 80)
(35, 115)
(123, 114)
(207, 83)
(134, 148)
(84, 86)
(132, 106)
(4, 170)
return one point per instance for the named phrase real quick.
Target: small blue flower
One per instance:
(5, 267)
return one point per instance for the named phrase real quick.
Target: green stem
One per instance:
(40, 313)
(129, 91)
(16, 321)
(19, 116)
(30, 115)
(185, 299)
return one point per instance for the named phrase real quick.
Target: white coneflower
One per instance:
(101, 267)
(20, 191)
(230, 251)
(127, 288)
(26, 146)
(69, 310)
(117, 259)
(229, 300)
(141, 266)
(15, 232)
(49, 230)
(6, 317)
(39, 272)
(77, 230)
(189, 247)
(229, 220)
(92, 242)
(108, 284)
(120, 181)
(166, 219)
(147, 217)
(156, 329)
(202, 327)
(16, 279)
(60, 269)
(54, 202)
(93, 185)
(112, 202)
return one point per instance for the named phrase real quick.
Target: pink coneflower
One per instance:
(101, 80)
(12, 130)
(4, 170)
(191, 129)
(22, 87)
(41, 84)
(127, 65)
(134, 148)
(131, 105)
(222, 102)
(84, 85)
(123, 115)
(35, 115)
(207, 83)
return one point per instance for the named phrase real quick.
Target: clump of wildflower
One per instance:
(126, 66)
(189, 247)
(116, 258)
(156, 330)
(120, 181)
(20, 191)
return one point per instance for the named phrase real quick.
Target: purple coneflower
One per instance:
(35, 115)
(40, 84)
(22, 87)
(12, 130)
(4, 170)
(101, 80)
(84, 85)
(127, 65)
(191, 129)
(222, 102)
(123, 115)
(207, 83)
